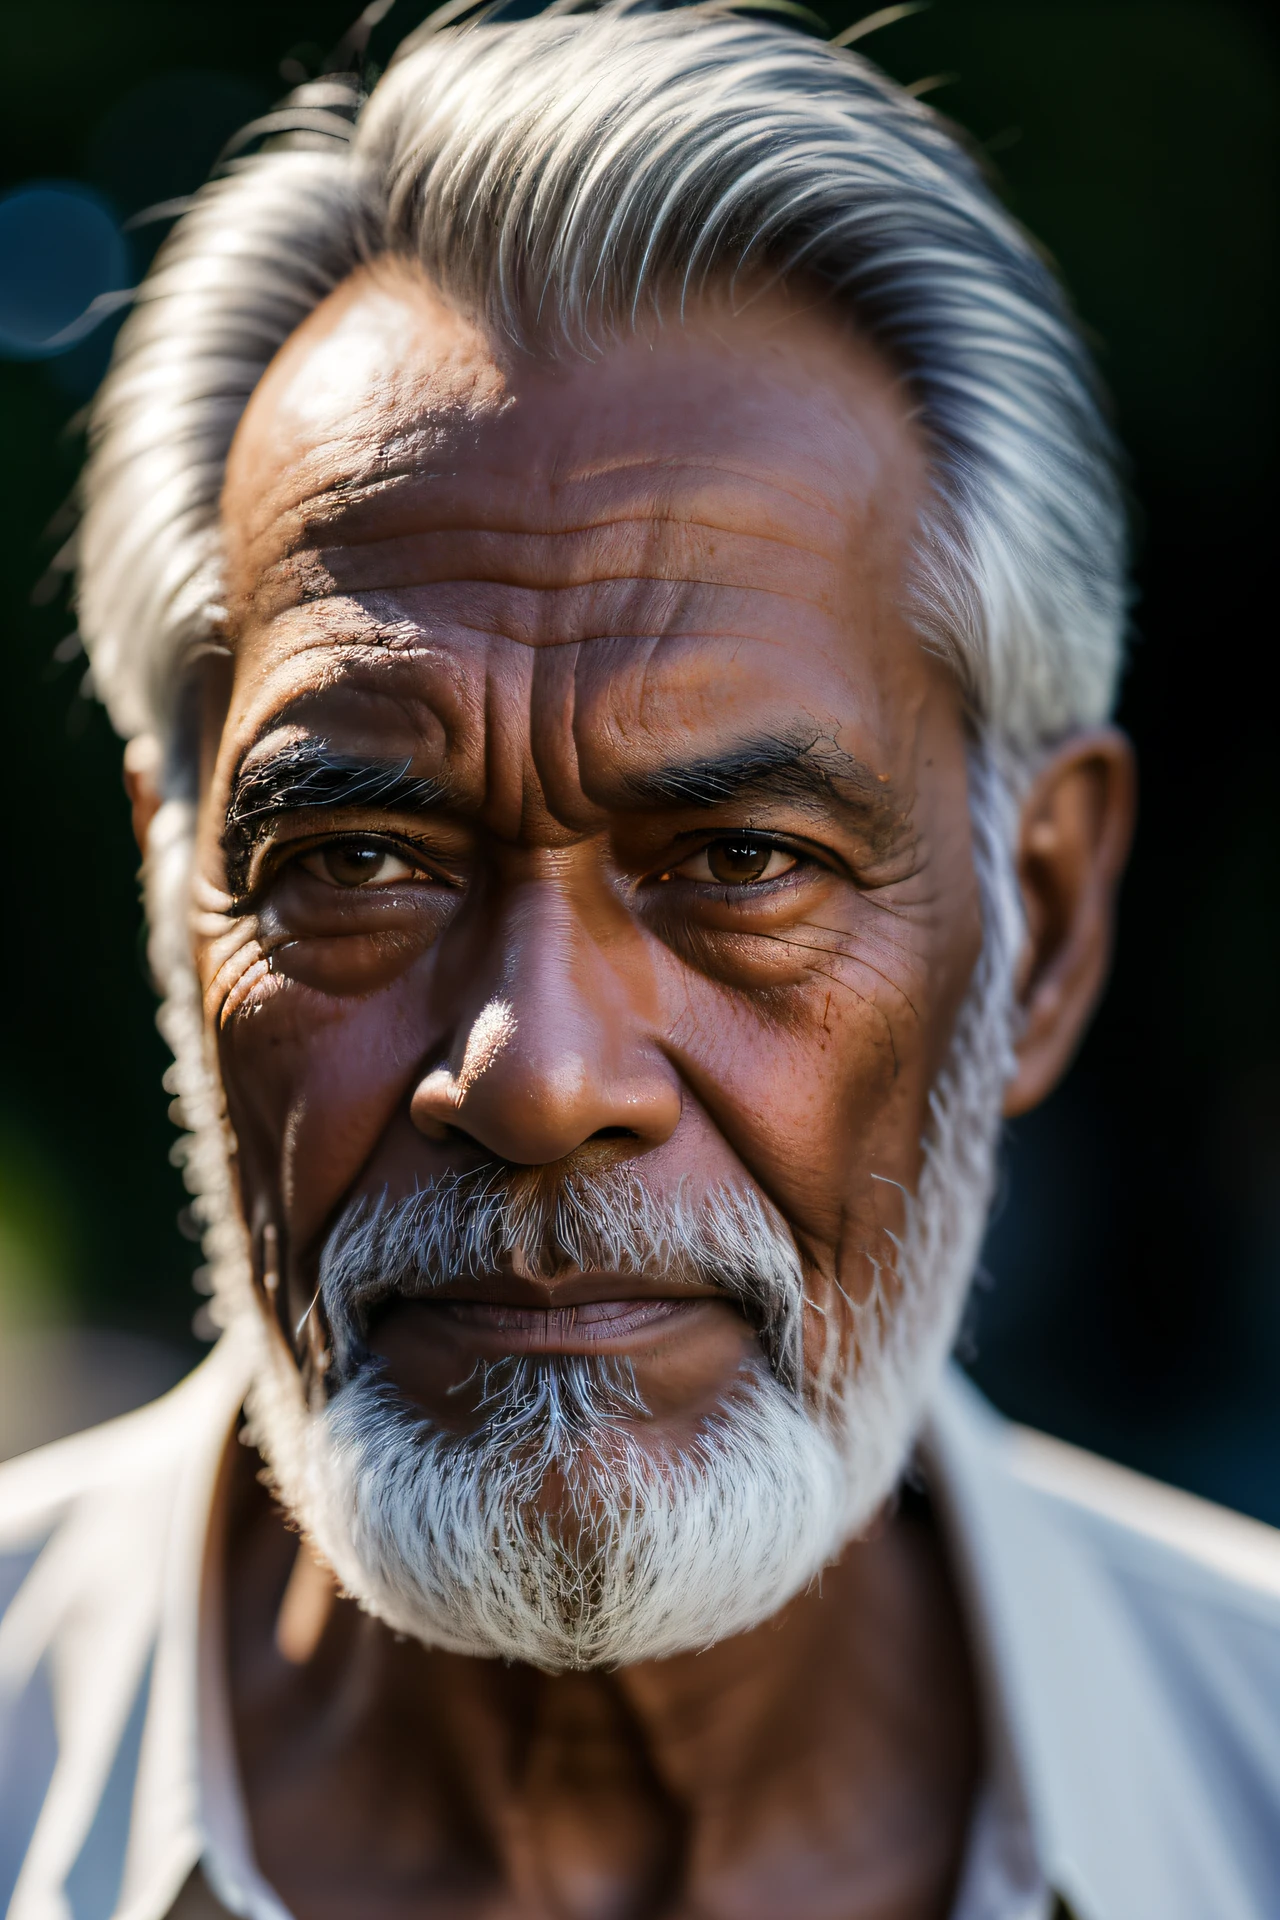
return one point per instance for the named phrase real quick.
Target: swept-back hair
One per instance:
(561, 177)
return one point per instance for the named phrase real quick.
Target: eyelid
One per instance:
(271, 857)
(313, 861)
(803, 852)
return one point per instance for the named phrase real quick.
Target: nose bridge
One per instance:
(555, 1045)
(566, 999)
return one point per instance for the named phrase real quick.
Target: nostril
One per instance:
(443, 1132)
(615, 1133)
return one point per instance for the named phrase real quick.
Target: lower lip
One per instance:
(597, 1326)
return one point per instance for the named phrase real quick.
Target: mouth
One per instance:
(687, 1343)
(508, 1315)
(596, 1326)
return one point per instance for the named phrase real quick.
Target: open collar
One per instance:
(187, 1805)
(1122, 1824)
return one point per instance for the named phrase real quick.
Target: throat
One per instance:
(606, 1837)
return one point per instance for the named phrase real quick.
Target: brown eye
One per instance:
(737, 861)
(355, 863)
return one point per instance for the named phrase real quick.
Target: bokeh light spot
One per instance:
(60, 249)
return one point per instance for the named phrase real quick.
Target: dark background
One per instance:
(1132, 1291)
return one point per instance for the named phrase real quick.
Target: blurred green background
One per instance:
(1131, 1290)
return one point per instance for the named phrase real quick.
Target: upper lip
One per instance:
(573, 1289)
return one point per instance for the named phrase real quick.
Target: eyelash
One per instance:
(278, 860)
(769, 844)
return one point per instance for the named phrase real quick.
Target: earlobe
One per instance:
(1075, 831)
(142, 769)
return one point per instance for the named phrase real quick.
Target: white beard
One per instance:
(443, 1537)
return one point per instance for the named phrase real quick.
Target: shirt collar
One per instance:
(187, 1807)
(1115, 1796)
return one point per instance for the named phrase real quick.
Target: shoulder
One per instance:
(1198, 1585)
(101, 1558)
(1134, 1632)
(84, 1525)
(39, 1490)
(1193, 1590)
(1143, 1542)
(1154, 1540)
(111, 1483)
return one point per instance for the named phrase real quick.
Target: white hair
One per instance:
(560, 177)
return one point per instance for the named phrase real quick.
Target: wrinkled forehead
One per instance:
(712, 518)
(388, 413)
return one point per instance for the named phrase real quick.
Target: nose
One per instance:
(556, 1053)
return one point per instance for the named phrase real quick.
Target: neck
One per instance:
(824, 1762)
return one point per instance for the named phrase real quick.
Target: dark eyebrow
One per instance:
(310, 774)
(804, 767)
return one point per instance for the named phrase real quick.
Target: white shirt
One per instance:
(1127, 1639)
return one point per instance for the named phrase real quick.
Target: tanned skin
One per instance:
(577, 791)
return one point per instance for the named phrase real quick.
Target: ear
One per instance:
(142, 758)
(1076, 826)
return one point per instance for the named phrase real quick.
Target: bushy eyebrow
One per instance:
(804, 768)
(309, 774)
(801, 767)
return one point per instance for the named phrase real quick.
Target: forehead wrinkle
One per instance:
(441, 416)
(705, 550)
(677, 544)
(704, 462)
(540, 530)
(534, 496)
(531, 503)
(634, 607)
(330, 630)
(576, 537)
(322, 584)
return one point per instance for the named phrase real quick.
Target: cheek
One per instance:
(312, 1082)
(817, 1087)
(349, 964)
(822, 1092)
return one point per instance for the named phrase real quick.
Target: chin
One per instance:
(640, 1553)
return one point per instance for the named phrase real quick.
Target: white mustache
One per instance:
(472, 1225)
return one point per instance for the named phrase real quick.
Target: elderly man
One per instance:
(609, 565)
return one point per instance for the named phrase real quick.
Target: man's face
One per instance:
(583, 797)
